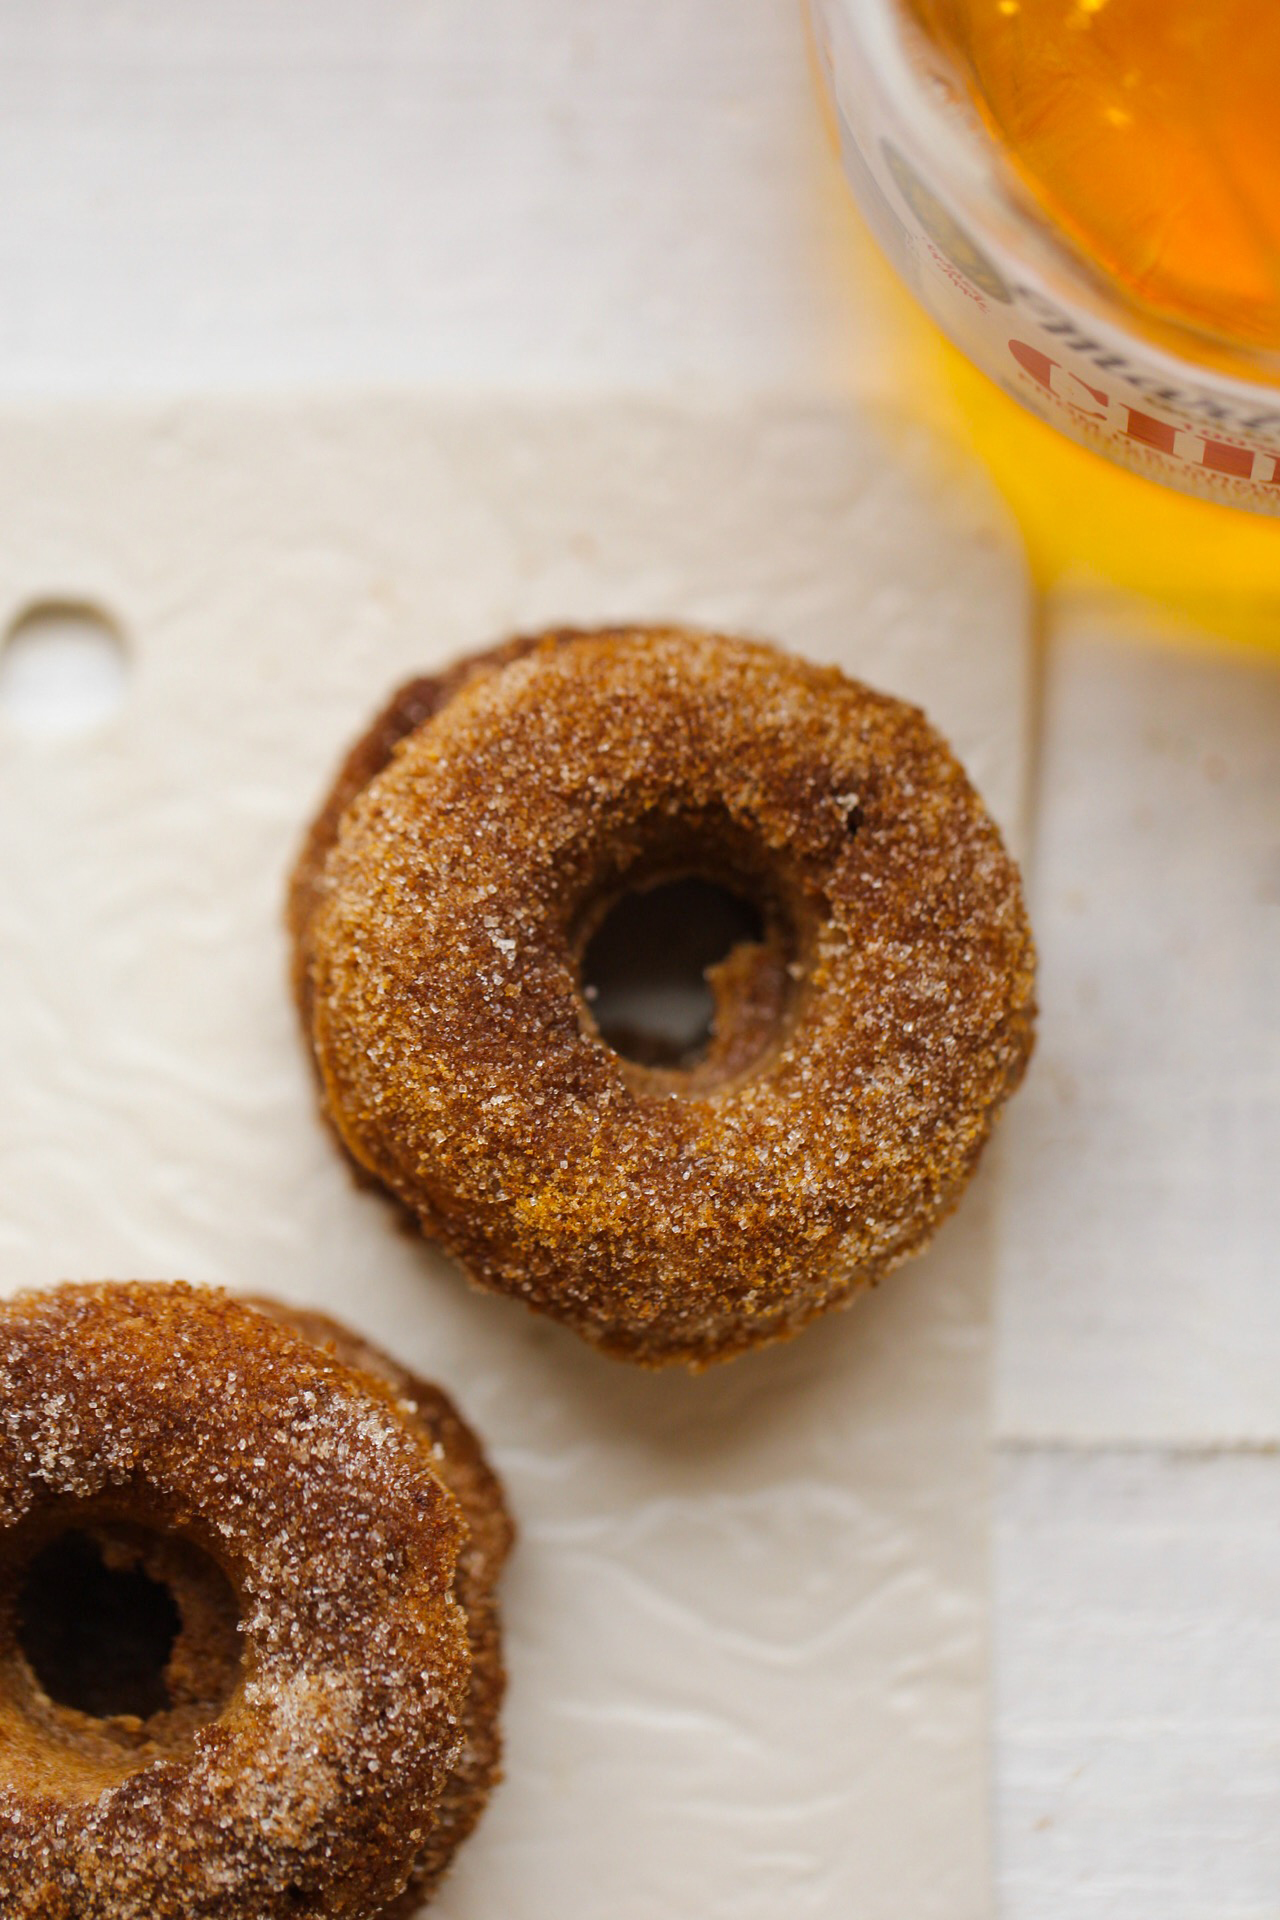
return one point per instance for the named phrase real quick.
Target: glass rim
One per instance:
(966, 168)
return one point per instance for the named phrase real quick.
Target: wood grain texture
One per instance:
(1138, 1270)
(1138, 1685)
(1138, 1553)
(276, 192)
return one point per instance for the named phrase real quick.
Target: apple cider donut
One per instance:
(460, 1462)
(863, 1040)
(249, 1663)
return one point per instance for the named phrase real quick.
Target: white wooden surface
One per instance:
(571, 191)
(1138, 1684)
(1138, 1391)
(636, 193)
(1141, 1262)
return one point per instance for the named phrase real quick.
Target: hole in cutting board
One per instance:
(63, 670)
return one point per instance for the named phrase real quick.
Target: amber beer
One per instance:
(1086, 194)
(1148, 131)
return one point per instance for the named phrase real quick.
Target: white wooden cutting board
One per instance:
(747, 1620)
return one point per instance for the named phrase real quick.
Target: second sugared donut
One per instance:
(460, 1461)
(864, 1037)
(244, 1672)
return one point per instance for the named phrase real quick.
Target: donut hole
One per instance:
(126, 1629)
(691, 945)
(98, 1637)
(646, 968)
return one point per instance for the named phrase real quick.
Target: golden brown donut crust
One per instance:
(409, 707)
(323, 1502)
(440, 910)
(462, 1465)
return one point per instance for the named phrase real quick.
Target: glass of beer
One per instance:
(1085, 194)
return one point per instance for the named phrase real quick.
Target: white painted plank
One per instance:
(288, 191)
(1139, 1269)
(1138, 1686)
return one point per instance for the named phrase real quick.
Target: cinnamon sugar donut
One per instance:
(862, 1045)
(296, 1712)
(460, 1462)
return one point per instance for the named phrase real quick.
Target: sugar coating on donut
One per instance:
(315, 1788)
(461, 1463)
(439, 919)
